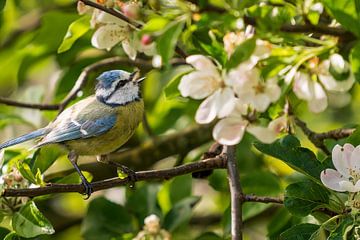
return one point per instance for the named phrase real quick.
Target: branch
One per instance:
(148, 153)
(235, 193)
(211, 163)
(318, 138)
(80, 82)
(262, 199)
(309, 28)
(121, 16)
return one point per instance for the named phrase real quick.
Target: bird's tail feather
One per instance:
(38, 133)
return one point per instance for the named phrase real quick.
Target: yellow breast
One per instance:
(128, 119)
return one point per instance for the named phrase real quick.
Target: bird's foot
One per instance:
(130, 174)
(88, 189)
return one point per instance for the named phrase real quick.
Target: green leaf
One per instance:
(241, 53)
(76, 29)
(355, 61)
(25, 171)
(45, 157)
(218, 180)
(299, 232)
(29, 222)
(345, 12)
(302, 198)
(180, 213)
(4, 232)
(180, 188)
(154, 25)
(301, 159)
(166, 42)
(105, 220)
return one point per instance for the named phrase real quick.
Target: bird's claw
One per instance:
(88, 189)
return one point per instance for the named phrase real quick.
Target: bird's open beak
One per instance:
(140, 80)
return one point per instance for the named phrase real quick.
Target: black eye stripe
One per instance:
(121, 84)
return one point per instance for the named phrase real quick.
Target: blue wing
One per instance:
(74, 129)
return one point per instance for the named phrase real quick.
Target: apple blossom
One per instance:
(316, 88)
(206, 82)
(253, 90)
(346, 177)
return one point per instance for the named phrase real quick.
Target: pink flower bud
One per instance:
(146, 39)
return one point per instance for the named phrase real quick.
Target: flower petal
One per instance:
(103, 17)
(331, 179)
(354, 162)
(272, 89)
(319, 102)
(302, 88)
(331, 84)
(207, 110)
(129, 49)
(347, 186)
(226, 102)
(260, 102)
(341, 158)
(198, 85)
(339, 99)
(229, 131)
(202, 63)
(263, 134)
(107, 36)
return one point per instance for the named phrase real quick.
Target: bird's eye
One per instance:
(120, 84)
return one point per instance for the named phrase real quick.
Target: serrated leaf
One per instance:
(30, 222)
(302, 198)
(166, 42)
(299, 232)
(288, 150)
(241, 53)
(76, 29)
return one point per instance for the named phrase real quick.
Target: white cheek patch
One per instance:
(128, 93)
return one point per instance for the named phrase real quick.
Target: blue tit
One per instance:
(96, 125)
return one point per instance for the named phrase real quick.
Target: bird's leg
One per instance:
(131, 174)
(73, 157)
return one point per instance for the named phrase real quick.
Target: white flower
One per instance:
(346, 177)
(206, 82)
(328, 81)
(152, 224)
(311, 91)
(251, 89)
(230, 130)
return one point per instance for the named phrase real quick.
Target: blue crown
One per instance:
(107, 78)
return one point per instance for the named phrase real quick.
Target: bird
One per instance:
(97, 125)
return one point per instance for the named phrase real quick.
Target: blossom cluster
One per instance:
(111, 30)
(238, 95)
(234, 96)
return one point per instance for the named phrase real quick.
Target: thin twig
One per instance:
(80, 83)
(236, 194)
(309, 28)
(262, 199)
(318, 138)
(212, 163)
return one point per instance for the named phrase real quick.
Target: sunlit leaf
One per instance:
(241, 53)
(76, 29)
(30, 222)
(166, 43)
